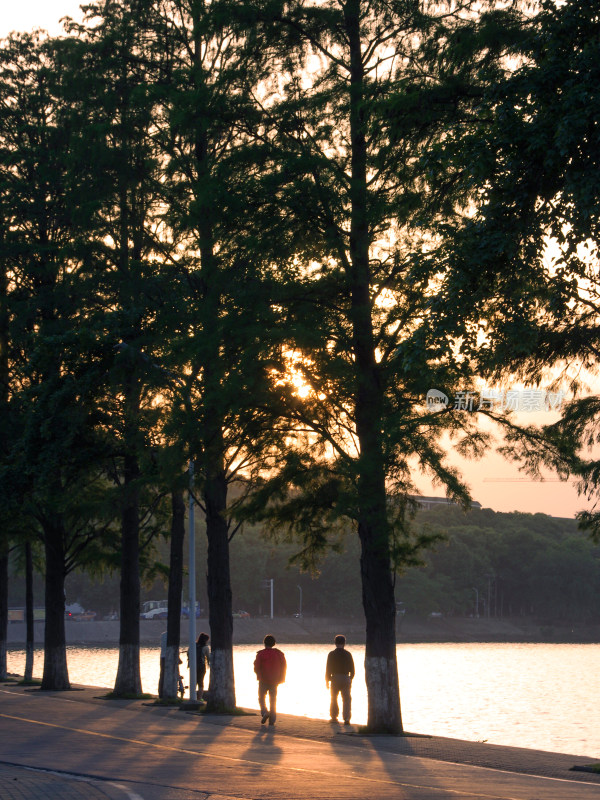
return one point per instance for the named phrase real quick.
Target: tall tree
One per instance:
(52, 467)
(118, 68)
(34, 144)
(536, 235)
(366, 93)
(219, 312)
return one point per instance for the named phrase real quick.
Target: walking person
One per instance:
(339, 672)
(270, 667)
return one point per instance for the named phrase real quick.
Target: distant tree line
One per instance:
(505, 565)
(250, 236)
(488, 564)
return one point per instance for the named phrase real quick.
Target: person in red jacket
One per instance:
(270, 667)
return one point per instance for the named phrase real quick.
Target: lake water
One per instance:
(542, 696)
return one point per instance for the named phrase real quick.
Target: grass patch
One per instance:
(115, 696)
(166, 701)
(32, 682)
(364, 731)
(226, 712)
(595, 768)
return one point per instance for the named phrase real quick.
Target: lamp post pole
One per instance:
(268, 584)
(192, 590)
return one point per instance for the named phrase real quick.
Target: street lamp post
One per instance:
(192, 590)
(300, 607)
(476, 602)
(489, 577)
(268, 584)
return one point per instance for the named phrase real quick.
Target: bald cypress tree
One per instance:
(49, 474)
(535, 236)
(365, 95)
(217, 323)
(117, 65)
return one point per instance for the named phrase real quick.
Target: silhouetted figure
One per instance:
(163, 655)
(202, 661)
(339, 672)
(270, 667)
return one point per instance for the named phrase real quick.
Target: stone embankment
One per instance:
(322, 630)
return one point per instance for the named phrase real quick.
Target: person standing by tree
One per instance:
(202, 662)
(163, 656)
(339, 673)
(270, 667)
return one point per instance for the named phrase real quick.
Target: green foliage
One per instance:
(525, 564)
(536, 150)
(532, 565)
(364, 180)
(50, 464)
(527, 253)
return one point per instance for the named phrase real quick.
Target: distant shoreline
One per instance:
(320, 630)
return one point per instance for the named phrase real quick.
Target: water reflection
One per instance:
(526, 695)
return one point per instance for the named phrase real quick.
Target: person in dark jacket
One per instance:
(270, 667)
(202, 662)
(339, 672)
(163, 656)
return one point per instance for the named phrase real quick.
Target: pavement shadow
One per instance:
(376, 756)
(264, 747)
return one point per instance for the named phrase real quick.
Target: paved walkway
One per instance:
(79, 745)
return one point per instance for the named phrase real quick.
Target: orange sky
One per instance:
(24, 15)
(498, 484)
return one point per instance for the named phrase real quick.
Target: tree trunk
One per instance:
(222, 684)
(174, 594)
(3, 608)
(128, 681)
(30, 633)
(381, 669)
(221, 693)
(4, 423)
(55, 676)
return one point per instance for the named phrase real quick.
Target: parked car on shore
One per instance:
(83, 616)
(154, 609)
